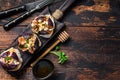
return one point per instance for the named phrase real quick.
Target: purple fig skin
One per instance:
(10, 59)
(48, 27)
(15, 56)
(42, 32)
(3, 65)
(5, 54)
(27, 35)
(8, 67)
(11, 66)
(50, 23)
(40, 18)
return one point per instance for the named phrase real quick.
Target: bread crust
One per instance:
(17, 52)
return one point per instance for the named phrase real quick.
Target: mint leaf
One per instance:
(57, 48)
(8, 58)
(25, 45)
(21, 46)
(27, 40)
(61, 56)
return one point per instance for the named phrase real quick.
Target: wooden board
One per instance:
(27, 57)
(93, 50)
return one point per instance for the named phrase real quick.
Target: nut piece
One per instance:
(43, 25)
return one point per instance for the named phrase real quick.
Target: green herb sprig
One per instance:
(61, 55)
(8, 58)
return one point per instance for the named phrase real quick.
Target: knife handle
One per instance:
(12, 23)
(12, 10)
(59, 12)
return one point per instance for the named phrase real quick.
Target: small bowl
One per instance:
(43, 69)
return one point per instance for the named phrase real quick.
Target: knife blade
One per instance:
(30, 8)
(25, 7)
(33, 5)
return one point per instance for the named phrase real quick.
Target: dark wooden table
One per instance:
(94, 47)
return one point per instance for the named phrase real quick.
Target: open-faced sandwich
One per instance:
(11, 59)
(28, 42)
(43, 25)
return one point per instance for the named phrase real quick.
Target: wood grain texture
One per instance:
(94, 47)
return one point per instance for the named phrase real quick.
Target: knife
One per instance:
(29, 8)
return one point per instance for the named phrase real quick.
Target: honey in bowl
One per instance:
(43, 69)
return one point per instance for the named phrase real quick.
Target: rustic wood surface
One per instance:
(94, 47)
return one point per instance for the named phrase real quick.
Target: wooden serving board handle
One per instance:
(59, 12)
